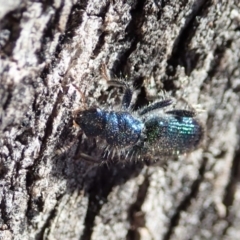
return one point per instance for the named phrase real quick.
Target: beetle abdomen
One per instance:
(173, 134)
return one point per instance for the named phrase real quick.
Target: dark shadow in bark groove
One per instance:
(48, 33)
(136, 217)
(186, 201)
(133, 35)
(74, 20)
(47, 224)
(4, 215)
(12, 23)
(101, 39)
(100, 187)
(181, 46)
(234, 180)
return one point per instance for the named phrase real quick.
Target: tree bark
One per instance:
(189, 49)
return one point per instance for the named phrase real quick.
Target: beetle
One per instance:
(142, 133)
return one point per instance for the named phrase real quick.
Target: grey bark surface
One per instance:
(189, 49)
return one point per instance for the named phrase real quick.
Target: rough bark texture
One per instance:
(190, 49)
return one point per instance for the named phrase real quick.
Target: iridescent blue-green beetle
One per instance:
(149, 130)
